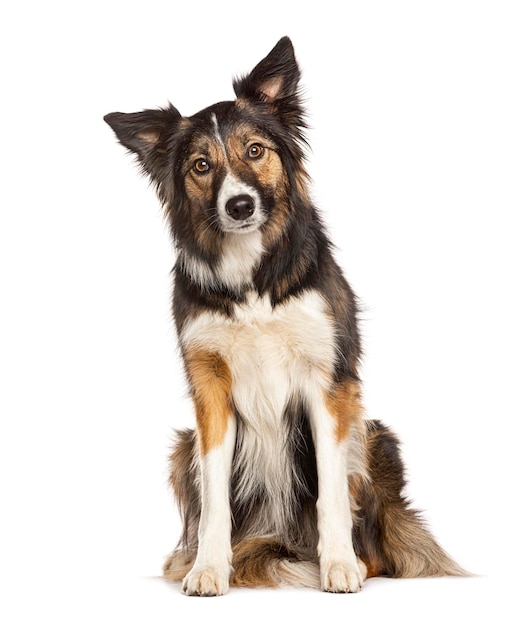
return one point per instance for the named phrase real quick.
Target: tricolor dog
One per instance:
(283, 481)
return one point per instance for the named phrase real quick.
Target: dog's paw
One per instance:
(340, 577)
(206, 581)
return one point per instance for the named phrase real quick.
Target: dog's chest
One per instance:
(272, 352)
(276, 356)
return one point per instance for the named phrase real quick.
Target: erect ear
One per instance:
(143, 132)
(274, 78)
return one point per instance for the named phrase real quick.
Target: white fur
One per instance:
(210, 573)
(231, 187)
(218, 136)
(240, 258)
(339, 569)
(274, 354)
(200, 272)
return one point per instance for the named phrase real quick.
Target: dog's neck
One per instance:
(245, 265)
(231, 271)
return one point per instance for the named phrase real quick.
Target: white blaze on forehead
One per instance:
(232, 186)
(218, 136)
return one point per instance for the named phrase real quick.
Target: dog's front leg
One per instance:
(210, 380)
(333, 416)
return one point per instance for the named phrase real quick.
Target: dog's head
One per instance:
(234, 167)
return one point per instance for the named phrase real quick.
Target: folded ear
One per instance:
(274, 78)
(144, 132)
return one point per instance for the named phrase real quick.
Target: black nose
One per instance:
(240, 207)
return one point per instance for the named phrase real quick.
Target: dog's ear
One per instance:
(145, 132)
(274, 80)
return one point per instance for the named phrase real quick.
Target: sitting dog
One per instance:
(283, 481)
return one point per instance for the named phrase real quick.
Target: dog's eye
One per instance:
(255, 151)
(201, 166)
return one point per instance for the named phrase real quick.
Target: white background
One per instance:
(417, 115)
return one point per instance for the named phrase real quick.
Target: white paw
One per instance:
(206, 581)
(342, 577)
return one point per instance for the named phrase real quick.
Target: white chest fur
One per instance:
(274, 354)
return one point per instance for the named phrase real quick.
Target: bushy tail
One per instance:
(390, 536)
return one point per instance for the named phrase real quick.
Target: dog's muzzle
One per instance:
(239, 206)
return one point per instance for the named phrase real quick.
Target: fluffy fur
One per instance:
(283, 481)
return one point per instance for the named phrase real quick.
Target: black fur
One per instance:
(387, 534)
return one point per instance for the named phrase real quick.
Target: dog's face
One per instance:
(231, 171)
(234, 167)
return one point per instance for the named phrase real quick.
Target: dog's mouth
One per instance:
(247, 226)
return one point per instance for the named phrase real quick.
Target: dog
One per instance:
(283, 481)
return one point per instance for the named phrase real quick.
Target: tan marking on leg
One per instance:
(210, 379)
(343, 402)
(374, 569)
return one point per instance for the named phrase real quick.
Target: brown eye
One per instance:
(201, 166)
(255, 151)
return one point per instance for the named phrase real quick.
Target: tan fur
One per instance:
(267, 168)
(343, 403)
(276, 225)
(210, 380)
(393, 538)
(257, 562)
(199, 190)
(412, 549)
(268, 171)
(151, 136)
(271, 88)
(273, 492)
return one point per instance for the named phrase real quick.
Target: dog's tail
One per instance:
(257, 562)
(390, 536)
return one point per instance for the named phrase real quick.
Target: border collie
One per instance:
(283, 481)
